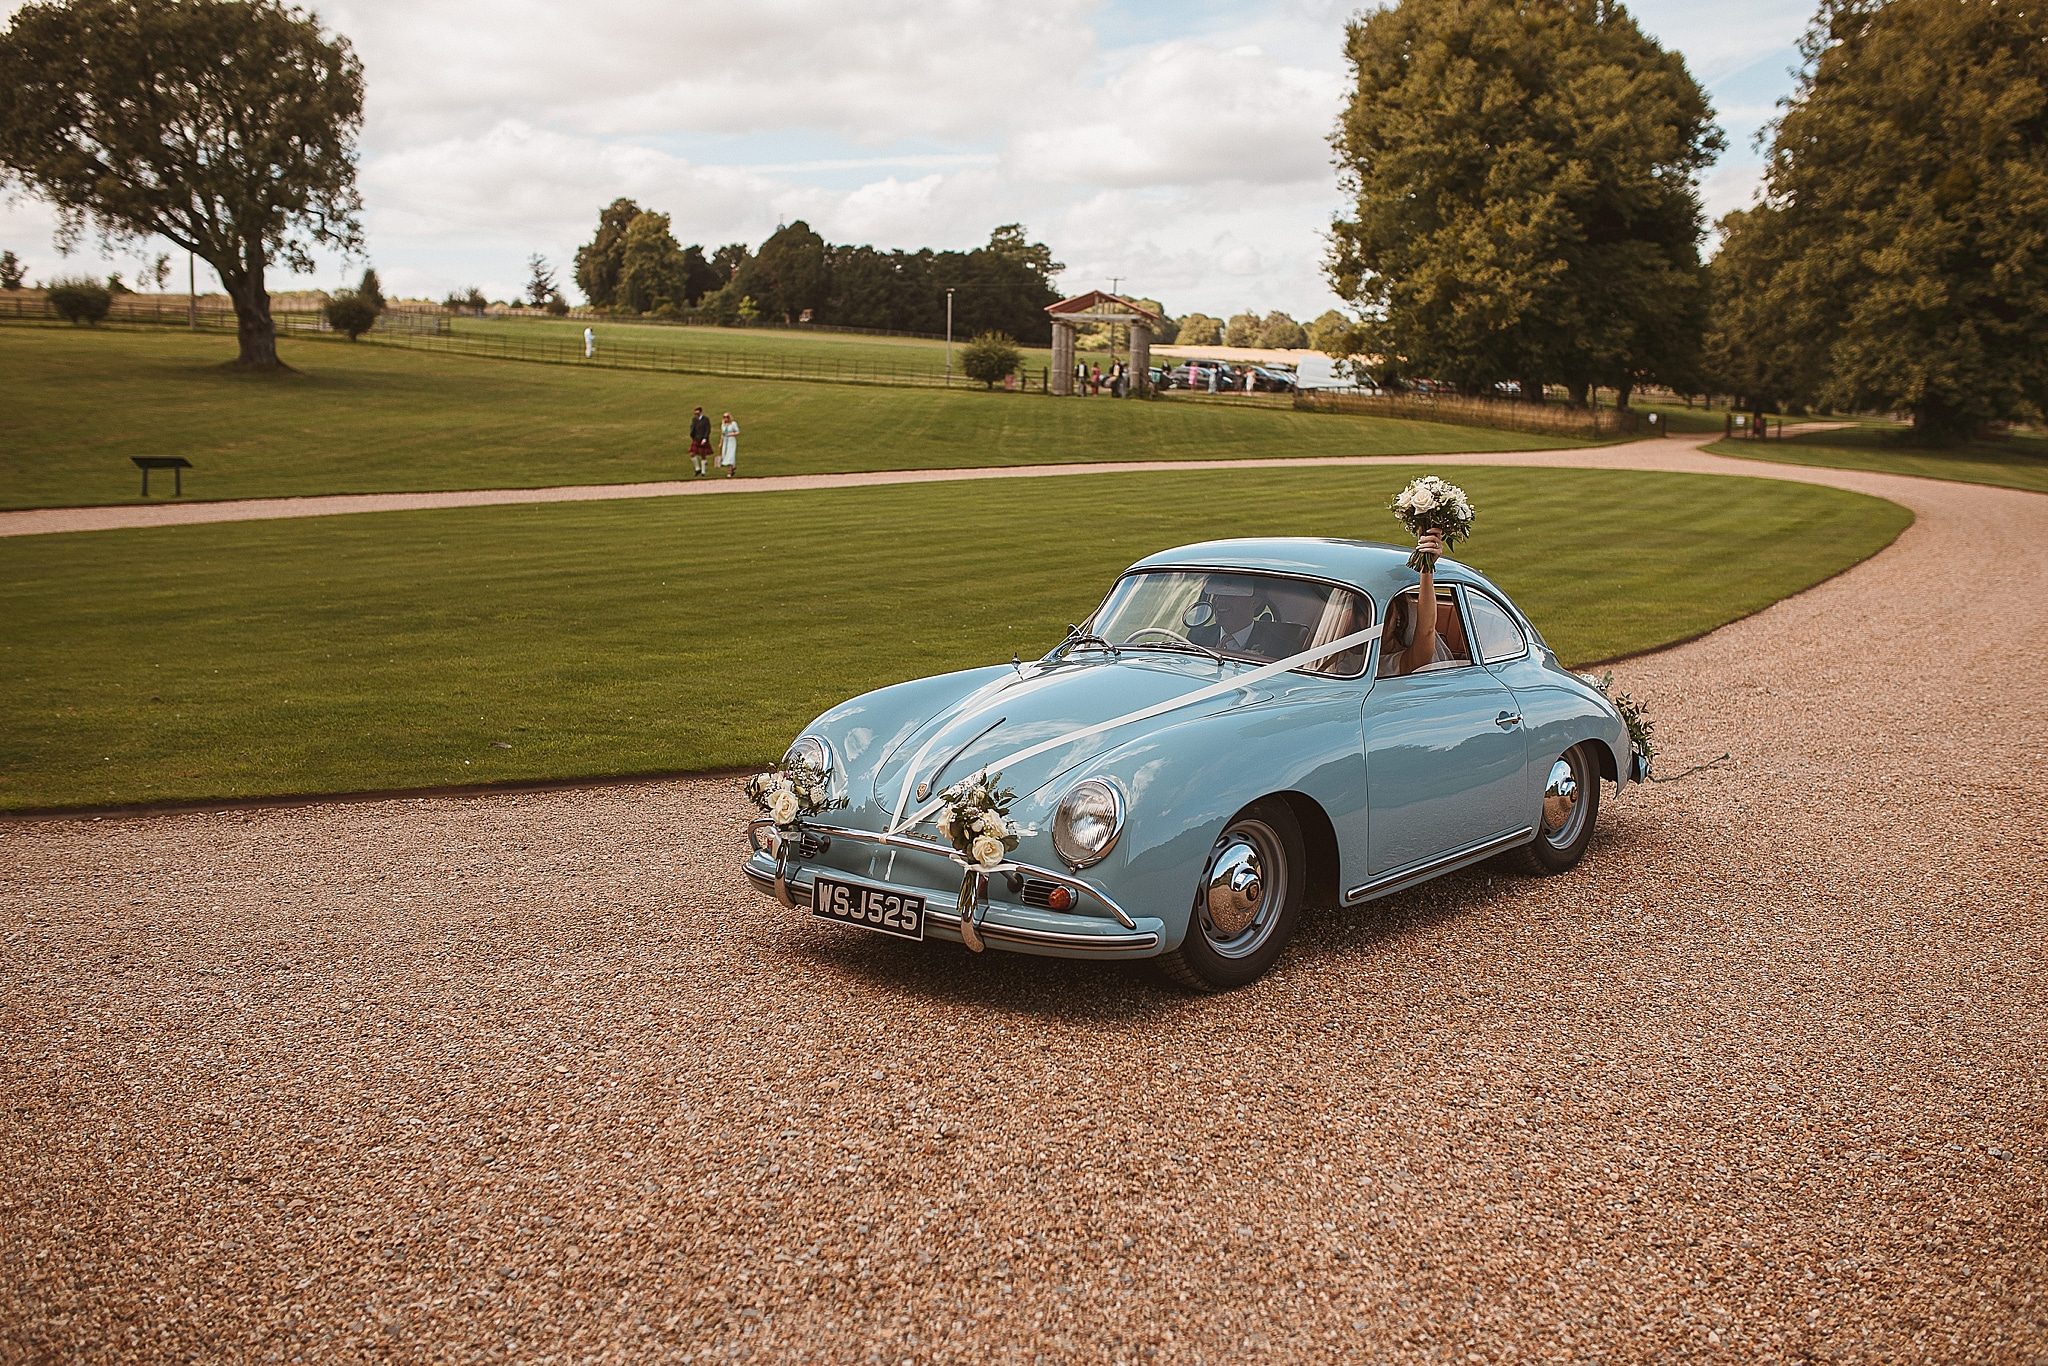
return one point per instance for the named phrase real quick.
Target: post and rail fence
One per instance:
(1505, 414)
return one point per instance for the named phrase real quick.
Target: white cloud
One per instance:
(1183, 149)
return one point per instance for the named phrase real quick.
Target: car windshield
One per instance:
(1254, 617)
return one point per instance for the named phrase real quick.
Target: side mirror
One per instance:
(1198, 615)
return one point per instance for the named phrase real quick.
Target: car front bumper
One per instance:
(1097, 928)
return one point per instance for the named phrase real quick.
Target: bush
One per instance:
(352, 312)
(557, 305)
(79, 300)
(989, 357)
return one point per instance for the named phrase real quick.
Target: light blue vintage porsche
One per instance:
(1240, 729)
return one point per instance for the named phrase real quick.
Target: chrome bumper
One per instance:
(1135, 940)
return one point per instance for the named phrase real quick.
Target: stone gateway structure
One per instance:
(1099, 307)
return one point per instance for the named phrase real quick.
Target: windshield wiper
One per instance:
(1170, 640)
(1075, 639)
(1182, 646)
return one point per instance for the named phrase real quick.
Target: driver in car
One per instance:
(1238, 628)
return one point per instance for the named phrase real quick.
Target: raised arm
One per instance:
(1422, 650)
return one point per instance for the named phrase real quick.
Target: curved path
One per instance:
(536, 1076)
(50, 521)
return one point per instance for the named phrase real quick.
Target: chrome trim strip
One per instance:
(802, 895)
(946, 851)
(1475, 850)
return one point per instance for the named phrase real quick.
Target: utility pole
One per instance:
(949, 338)
(191, 294)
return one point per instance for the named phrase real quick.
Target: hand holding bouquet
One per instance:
(1430, 504)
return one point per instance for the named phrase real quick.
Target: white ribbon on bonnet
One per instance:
(1187, 699)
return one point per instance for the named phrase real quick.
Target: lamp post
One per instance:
(191, 293)
(949, 338)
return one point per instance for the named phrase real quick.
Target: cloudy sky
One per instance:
(1180, 146)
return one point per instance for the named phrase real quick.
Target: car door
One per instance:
(1444, 763)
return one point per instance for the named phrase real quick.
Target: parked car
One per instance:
(1195, 375)
(1221, 743)
(1268, 380)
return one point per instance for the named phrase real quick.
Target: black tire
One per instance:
(1220, 951)
(1564, 822)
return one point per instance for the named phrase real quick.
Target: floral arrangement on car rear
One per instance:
(1430, 504)
(1639, 725)
(974, 816)
(788, 794)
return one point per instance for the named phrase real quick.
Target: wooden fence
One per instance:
(1549, 419)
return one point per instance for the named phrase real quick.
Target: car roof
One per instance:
(1380, 569)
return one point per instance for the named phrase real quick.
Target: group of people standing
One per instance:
(700, 444)
(1089, 379)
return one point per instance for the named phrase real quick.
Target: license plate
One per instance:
(871, 908)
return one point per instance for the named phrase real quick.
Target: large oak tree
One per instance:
(225, 126)
(1523, 175)
(1902, 243)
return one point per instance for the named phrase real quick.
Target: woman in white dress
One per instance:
(729, 446)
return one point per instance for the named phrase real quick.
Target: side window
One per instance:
(1448, 649)
(1498, 635)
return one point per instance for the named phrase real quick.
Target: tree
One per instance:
(372, 288)
(1281, 333)
(79, 300)
(1330, 333)
(1905, 208)
(224, 126)
(651, 271)
(989, 358)
(700, 277)
(350, 312)
(11, 272)
(540, 280)
(728, 259)
(599, 261)
(159, 271)
(116, 285)
(468, 299)
(1523, 177)
(1242, 330)
(787, 276)
(1199, 329)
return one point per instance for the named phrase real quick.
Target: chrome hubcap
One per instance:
(1563, 812)
(1245, 882)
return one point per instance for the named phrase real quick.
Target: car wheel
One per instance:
(1571, 802)
(1246, 903)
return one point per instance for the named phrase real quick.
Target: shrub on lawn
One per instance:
(350, 311)
(989, 357)
(79, 300)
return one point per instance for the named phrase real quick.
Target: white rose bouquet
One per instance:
(1430, 504)
(788, 794)
(975, 819)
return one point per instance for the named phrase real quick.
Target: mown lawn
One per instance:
(577, 640)
(2016, 462)
(366, 418)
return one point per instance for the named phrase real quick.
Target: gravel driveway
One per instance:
(536, 1077)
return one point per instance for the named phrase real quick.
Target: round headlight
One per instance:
(809, 750)
(1090, 818)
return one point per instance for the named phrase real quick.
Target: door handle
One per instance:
(1508, 720)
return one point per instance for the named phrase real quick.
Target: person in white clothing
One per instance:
(589, 343)
(729, 446)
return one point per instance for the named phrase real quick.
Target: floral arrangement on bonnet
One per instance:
(787, 794)
(975, 819)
